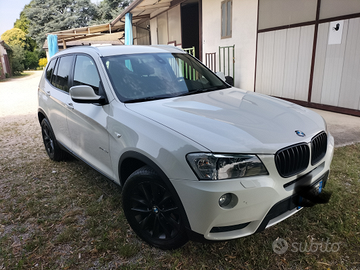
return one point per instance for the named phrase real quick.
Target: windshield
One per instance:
(142, 77)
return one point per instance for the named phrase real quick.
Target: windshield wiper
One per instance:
(201, 90)
(208, 89)
(145, 99)
(194, 91)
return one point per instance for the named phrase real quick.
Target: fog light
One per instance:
(225, 200)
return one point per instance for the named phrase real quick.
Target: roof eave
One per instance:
(127, 10)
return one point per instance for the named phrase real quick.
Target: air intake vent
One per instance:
(292, 160)
(318, 147)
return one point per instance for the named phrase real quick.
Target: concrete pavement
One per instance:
(344, 128)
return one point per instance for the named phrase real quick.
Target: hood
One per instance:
(234, 121)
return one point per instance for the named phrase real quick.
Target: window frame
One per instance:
(199, 68)
(101, 92)
(53, 71)
(54, 76)
(98, 91)
(226, 17)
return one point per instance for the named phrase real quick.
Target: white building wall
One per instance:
(2, 53)
(284, 62)
(244, 29)
(285, 52)
(337, 67)
(153, 31)
(166, 27)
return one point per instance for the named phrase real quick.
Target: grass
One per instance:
(67, 216)
(17, 76)
(23, 74)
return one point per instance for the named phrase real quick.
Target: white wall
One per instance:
(284, 57)
(166, 27)
(2, 53)
(284, 62)
(153, 31)
(244, 28)
(337, 67)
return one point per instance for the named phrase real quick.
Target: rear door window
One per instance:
(63, 71)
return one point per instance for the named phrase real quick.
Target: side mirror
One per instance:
(85, 94)
(221, 75)
(229, 80)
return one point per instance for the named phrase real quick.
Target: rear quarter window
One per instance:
(50, 69)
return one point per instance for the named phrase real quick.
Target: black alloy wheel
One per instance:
(152, 211)
(51, 145)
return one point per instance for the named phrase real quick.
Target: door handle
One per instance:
(48, 93)
(70, 105)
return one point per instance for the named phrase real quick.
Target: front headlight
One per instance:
(225, 166)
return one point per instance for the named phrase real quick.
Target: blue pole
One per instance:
(128, 29)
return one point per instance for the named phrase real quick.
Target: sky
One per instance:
(10, 11)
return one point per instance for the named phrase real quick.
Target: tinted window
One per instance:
(63, 70)
(50, 69)
(86, 73)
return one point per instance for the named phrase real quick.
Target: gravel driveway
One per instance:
(19, 96)
(18, 108)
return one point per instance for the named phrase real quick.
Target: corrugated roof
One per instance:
(141, 10)
(80, 33)
(144, 9)
(87, 42)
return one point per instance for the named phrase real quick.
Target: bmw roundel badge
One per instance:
(300, 133)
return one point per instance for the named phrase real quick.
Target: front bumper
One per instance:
(260, 201)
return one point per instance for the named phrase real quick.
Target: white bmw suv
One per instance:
(196, 158)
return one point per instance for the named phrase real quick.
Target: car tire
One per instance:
(152, 211)
(51, 145)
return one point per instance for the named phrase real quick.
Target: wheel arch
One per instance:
(131, 161)
(41, 115)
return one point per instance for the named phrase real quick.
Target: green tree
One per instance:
(17, 58)
(16, 39)
(23, 22)
(48, 16)
(14, 36)
(108, 10)
(31, 60)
